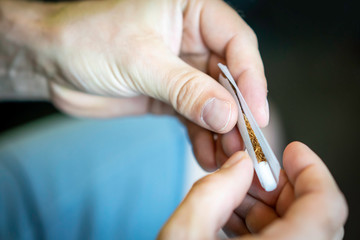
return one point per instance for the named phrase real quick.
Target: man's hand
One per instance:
(306, 205)
(114, 58)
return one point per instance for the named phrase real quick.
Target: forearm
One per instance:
(20, 77)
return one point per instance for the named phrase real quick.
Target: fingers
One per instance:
(269, 198)
(231, 142)
(211, 201)
(235, 226)
(203, 146)
(210, 153)
(299, 159)
(259, 208)
(202, 100)
(285, 199)
(319, 210)
(256, 214)
(312, 179)
(220, 156)
(192, 93)
(227, 35)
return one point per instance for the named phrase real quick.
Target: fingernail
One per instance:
(216, 114)
(234, 159)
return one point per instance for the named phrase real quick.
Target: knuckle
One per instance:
(185, 89)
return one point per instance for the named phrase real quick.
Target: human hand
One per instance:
(306, 205)
(116, 58)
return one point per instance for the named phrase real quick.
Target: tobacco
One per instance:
(255, 143)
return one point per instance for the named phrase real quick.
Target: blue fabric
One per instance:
(66, 178)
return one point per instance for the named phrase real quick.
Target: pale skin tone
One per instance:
(306, 205)
(115, 58)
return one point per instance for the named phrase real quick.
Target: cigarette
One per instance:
(266, 165)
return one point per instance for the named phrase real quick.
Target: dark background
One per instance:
(311, 53)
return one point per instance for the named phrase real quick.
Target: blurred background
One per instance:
(311, 53)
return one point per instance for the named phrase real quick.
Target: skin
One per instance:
(306, 205)
(116, 58)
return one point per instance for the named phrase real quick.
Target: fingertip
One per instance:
(293, 151)
(260, 109)
(199, 98)
(238, 158)
(247, 164)
(297, 157)
(254, 89)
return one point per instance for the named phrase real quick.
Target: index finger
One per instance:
(319, 209)
(227, 35)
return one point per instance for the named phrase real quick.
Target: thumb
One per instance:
(192, 93)
(211, 201)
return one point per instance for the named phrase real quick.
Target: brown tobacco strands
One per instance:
(255, 143)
